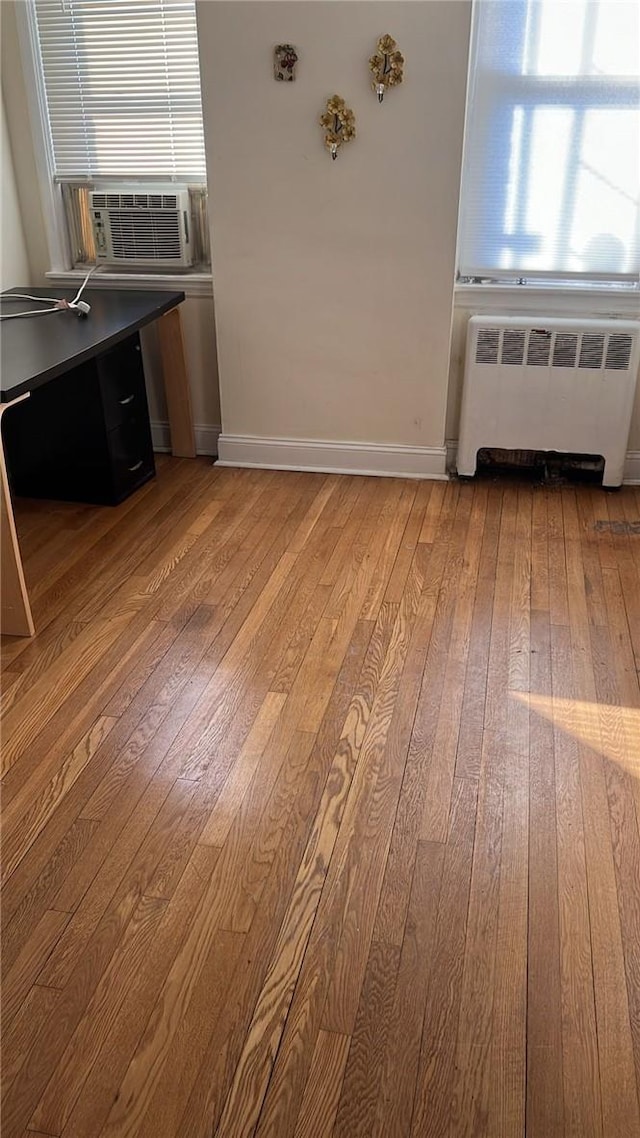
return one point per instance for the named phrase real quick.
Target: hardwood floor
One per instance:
(321, 812)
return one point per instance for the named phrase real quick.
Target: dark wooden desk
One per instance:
(36, 351)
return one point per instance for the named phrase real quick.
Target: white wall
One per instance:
(333, 280)
(14, 265)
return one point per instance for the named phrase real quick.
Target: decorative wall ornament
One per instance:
(387, 66)
(339, 123)
(285, 58)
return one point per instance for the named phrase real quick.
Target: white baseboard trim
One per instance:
(381, 459)
(631, 466)
(206, 437)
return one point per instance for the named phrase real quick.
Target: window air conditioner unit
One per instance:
(136, 224)
(549, 384)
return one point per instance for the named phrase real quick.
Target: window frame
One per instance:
(62, 270)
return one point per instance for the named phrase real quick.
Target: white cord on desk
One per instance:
(17, 315)
(58, 304)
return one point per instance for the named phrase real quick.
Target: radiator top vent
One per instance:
(592, 350)
(538, 347)
(487, 346)
(513, 346)
(618, 352)
(565, 349)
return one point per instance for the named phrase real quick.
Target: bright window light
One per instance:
(551, 182)
(122, 86)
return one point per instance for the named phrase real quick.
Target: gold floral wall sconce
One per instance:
(386, 66)
(339, 124)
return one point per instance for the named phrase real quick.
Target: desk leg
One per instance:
(16, 619)
(176, 385)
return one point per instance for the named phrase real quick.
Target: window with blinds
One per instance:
(121, 82)
(122, 85)
(551, 180)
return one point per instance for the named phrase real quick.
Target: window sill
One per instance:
(540, 299)
(191, 284)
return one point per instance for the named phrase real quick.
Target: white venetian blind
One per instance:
(122, 86)
(551, 180)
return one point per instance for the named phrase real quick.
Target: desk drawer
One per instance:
(82, 437)
(121, 380)
(131, 455)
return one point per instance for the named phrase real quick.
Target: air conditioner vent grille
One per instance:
(565, 349)
(618, 351)
(487, 346)
(131, 201)
(153, 234)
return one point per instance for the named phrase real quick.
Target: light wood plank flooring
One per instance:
(321, 802)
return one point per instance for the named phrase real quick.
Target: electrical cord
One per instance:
(18, 315)
(80, 307)
(92, 270)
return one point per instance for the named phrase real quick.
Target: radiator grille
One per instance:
(618, 351)
(513, 346)
(564, 349)
(539, 348)
(153, 234)
(591, 350)
(487, 346)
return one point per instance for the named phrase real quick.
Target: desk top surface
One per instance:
(36, 350)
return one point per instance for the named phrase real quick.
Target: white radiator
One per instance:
(549, 385)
